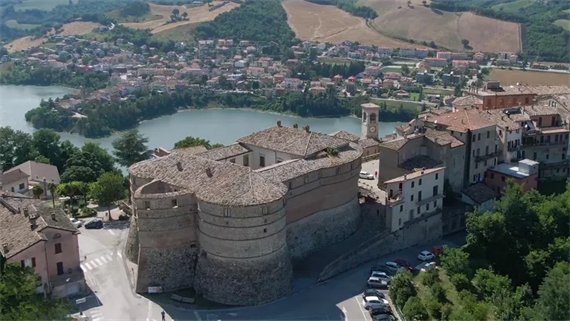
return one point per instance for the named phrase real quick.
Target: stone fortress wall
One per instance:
(238, 256)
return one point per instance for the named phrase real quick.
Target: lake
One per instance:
(222, 126)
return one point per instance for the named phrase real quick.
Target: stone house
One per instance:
(38, 174)
(15, 181)
(43, 238)
(481, 197)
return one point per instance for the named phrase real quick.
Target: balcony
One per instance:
(535, 143)
(488, 156)
(394, 200)
(563, 163)
(429, 199)
(514, 148)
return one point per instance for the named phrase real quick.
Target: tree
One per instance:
(456, 261)
(47, 144)
(195, 141)
(460, 282)
(554, 293)
(176, 12)
(185, 15)
(52, 188)
(414, 309)
(402, 288)
(16, 148)
(103, 157)
(131, 148)
(37, 191)
(490, 284)
(465, 42)
(21, 302)
(108, 189)
(405, 70)
(42, 159)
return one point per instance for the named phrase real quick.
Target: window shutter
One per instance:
(23, 263)
(33, 262)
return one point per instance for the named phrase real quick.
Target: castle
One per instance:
(229, 222)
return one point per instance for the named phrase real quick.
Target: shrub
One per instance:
(446, 311)
(438, 293)
(460, 282)
(88, 212)
(434, 308)
(402, 288)
(123, 217)
(430, 277)
(414, 309)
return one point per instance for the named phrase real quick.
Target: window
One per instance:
(473, 138)
(175, 203)
(486, 150)
(420, 182)
(435, 190)
(418, 210)
(245, 160)
(261, 161)
(492, 175)
(147, 204)
(399, 221)
(412, 198)
(479, 136)
(502, 178)
(534, 156)
(427, 207)
(226, 212)
(526, 100)
(22, 186)
(546, 156)
(434, 204)
(401, 208)
(419, 196)
(488, 134)
(539, 121)
(58, 248)
(500, 132)
(232, 160)
(59, 268)
(12, 190)
(413, 184)
(436, 176)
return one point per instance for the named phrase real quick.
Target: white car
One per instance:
(366, 175)
(374, 282)
(426, 256)
(371, 302)
(77, 223)
(393, 265)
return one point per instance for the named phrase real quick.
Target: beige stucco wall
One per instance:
(15, 186)
(36, 251)
(478, 169)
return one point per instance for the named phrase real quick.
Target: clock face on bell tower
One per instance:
(372, 129)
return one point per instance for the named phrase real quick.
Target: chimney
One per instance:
(295, 125)
(5, 247)
(26, 212)
(279, 123)
(405, 176)
(209, 172)
(179, 166)
(307, 128)
(19, 210)
(53, 216)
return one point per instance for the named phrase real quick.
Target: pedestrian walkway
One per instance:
(95, 314)
(94, 262)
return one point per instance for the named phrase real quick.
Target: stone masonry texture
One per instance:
(172, 269)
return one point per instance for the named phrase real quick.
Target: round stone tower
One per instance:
(244, 258)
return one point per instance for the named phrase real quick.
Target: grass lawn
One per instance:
(564, 23)
(16, 25)
(391, 69)
(451, 294)
(40, 4)
(512, 6)
(184, 33)
(335, 61)
(415, 96)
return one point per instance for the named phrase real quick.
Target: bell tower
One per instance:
(370, 113)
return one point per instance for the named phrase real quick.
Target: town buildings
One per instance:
(22, 178)
(43, 238)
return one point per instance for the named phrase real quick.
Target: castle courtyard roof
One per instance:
(293, 141)
(225, 152)
(346, 135)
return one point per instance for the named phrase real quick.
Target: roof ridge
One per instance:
(308, 143)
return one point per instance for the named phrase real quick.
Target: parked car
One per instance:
(77, 223)
(403, 263)
(95, 224)
(380, 310)
(366, 175)
(373, 292)
(371, 302)
(426, 256)
(381, 276)
(383, 268)
(374, 282)
(383, 317)
(393, 265)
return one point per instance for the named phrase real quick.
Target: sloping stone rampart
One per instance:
(244, 282)
(322, 229)
(132, 246)
(172, 269)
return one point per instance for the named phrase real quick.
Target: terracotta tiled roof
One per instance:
(224, 152)
(11, 177)
(292, 140)
(346, 135)
(462, 120)
(38, 171)
(467, 101)
(399, 141)
(479, 193)
(368, 142)
(16, 232)
(415, 175)
(442, 138)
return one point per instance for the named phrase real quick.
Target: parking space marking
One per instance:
(197, 315)
(119, 254)
(110, 231)
(361, 308)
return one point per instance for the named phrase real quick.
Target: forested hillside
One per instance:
(542, 40)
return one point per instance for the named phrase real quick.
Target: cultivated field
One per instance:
(512, 77)
(446, 29)
(76, 28)
(512, 6)
(40, 4)
(322, 23)
(564, 23)
(195, 15)
(183, 33)
(14, 24)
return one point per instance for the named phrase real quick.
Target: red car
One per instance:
(404, 263)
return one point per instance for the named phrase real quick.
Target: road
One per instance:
(109, 276)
